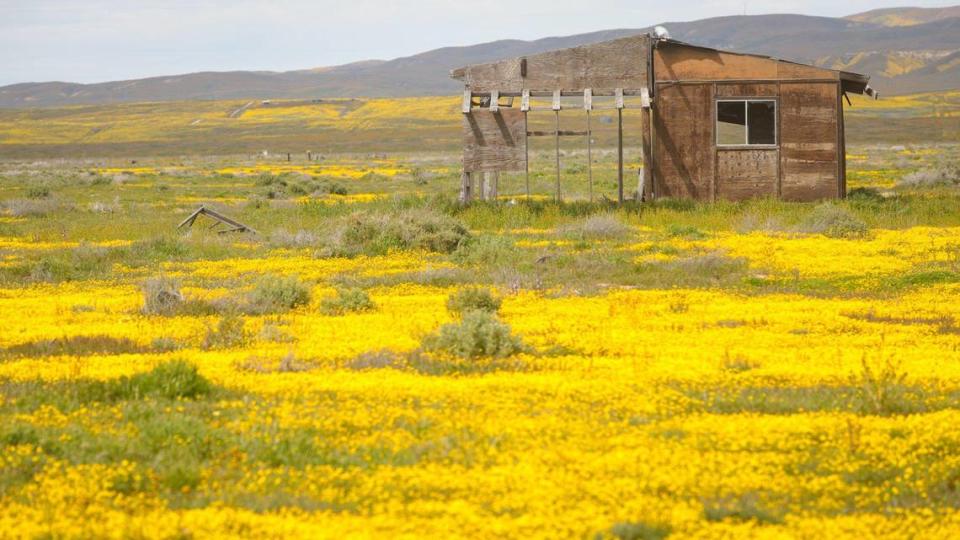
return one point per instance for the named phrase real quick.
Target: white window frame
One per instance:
(746, 131)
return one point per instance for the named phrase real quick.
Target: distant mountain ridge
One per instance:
(904, 50)
(906, 16)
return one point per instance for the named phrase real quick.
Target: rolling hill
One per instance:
(905, 50)
(908, 16)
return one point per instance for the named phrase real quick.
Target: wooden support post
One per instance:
(588, 106)
(309, 156)
(557, 139)
(619, 99)
(525, 108)
(646, 148)
(467, 101)
(556, 112)
(466, 188)
(288, 157)
(481, 185)
(494, 101)
(620, 155)
(493, 185)
(526, 156)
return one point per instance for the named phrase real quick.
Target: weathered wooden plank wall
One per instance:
(807, 165)
(683, 142)
(494, 141)
(620, 63)
(745, 174)
(808, 141)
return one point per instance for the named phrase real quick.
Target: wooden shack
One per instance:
(714, 124)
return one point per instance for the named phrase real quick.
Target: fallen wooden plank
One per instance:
(235, 225)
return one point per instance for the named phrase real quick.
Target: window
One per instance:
(747, 122)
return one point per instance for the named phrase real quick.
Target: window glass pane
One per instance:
(763, 121)
(731, 122)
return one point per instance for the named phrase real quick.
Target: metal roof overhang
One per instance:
(855, 83)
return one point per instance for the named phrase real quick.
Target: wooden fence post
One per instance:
(465, 187)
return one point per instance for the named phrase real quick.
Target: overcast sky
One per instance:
(101, 40)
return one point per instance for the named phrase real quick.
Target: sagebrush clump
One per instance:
(371, 233)
(229, 332)
(274, 294)
(599, 227)
(478, 334)
(176, 379)
(931, 177)
(162, 296)
(835, 221)
(473, 299)
(347, 300)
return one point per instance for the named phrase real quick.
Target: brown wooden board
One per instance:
(744, 174)
(620, 63)
(678, 61)
(809, 141)
(683, 141)
(503, 76)
(494, 141)
(732, 90)
(791, 70)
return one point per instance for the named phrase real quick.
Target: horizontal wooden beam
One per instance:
(563, 93)
(561, 133)
(492, 99)
(741, 81)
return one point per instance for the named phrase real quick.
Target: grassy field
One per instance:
(331, 126)
(379, 361)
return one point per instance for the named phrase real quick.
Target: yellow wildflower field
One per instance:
(379, 361)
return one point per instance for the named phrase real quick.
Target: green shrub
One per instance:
(882, 391)
(487, 249)
(274, 294)
(267, 179)
(347, 300)
(835, 221)
(171, 380)
(164, 344)
(83, 262)
(685, 231)
(478, 334)
(473, 299)
(229, 332)
(638, 530)
(38, 192)
(746, 507)
(75, 346)
(414, 228)
(865, 195)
